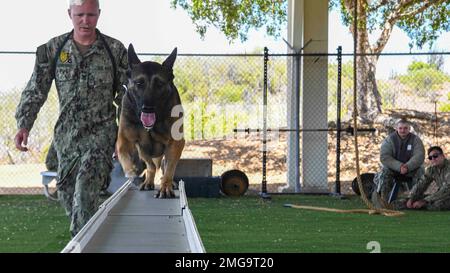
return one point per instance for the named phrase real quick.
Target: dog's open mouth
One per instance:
(148, 117)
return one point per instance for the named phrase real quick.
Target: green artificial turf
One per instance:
(252, 225)
(248, 224)
(31, 223)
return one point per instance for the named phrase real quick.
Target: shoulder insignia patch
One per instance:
(41, 54)
(64, 57)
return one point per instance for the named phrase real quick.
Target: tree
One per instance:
(437, 61)
(235, 17)
(422, 20)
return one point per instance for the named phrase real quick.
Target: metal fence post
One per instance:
(297, 121)
(338, 121)
(264, 194)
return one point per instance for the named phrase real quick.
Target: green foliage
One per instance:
(230, 93)
(190, 79)
(213, 121)
(388, 94)
(423, 79)
(42, 131)
(445, 107)
(235, 18)
(422, 20)
(436, 60)
(416, 65)
(220, 94)
(346, 87)
(426, 27)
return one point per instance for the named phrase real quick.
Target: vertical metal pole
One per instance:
(297, 121)
(264, 194)
(338, 122)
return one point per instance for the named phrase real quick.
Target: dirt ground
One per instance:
(244, 151)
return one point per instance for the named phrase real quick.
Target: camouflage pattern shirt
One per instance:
(441, 175)
(86, 92)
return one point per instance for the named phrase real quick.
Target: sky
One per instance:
(152, 26)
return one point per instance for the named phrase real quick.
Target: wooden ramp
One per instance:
(135, 221)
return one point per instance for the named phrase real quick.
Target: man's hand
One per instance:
(409, 204)
(415, 204)
(21, 140)
(419, 204)
(403, 169)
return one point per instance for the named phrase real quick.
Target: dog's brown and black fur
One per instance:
(151, 122)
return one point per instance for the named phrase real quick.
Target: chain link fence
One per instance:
(221, 93)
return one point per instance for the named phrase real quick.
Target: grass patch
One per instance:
(32, 224)
(251, 225)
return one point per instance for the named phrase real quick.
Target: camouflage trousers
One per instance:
(384, 182)
(79, 191)
(434, 206)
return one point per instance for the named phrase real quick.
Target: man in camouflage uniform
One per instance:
(402, 153)
(89, 69)
(439, 172)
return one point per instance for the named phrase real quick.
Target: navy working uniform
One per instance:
(440, 199)
(89, 86)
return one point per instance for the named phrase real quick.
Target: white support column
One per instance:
(308, 23)
(295, 39)
(314, 102)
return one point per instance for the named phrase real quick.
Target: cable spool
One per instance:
(234, 183)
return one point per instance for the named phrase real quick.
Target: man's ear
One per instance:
(70, 14)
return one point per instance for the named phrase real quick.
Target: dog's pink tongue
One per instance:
(148, 119)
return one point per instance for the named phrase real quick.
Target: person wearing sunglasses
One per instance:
(402, 155)
(439, 172)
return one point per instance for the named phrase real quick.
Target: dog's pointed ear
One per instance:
(168, 63)
(132, 57)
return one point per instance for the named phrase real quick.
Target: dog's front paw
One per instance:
(147, 187)
(166, 191)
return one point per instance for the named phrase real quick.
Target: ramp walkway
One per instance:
(135, 221)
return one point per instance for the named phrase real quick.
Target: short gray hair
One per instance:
(402, 121)
(80, 2)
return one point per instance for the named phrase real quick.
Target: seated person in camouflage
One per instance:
(89, 69)
(402, 154)
(439, 172)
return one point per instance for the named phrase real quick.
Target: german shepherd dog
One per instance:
(151, 122)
